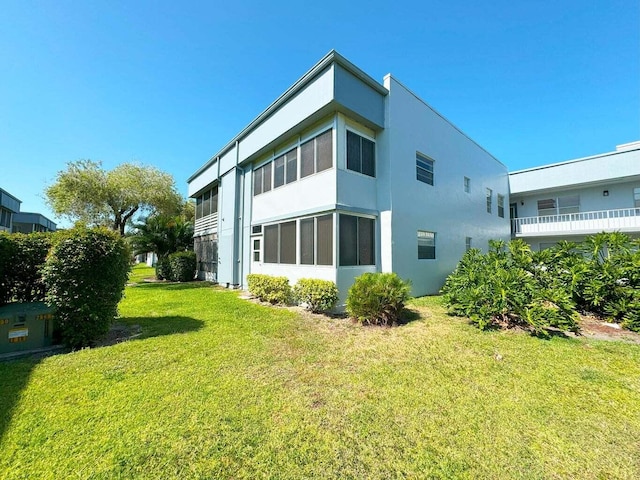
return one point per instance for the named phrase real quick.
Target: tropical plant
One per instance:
(378, 298)
(316, 295)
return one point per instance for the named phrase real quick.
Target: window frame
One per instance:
(468, 243)
(428, 239)
(489, 195)
(466, 183)
(361, 137)
(636, 197)
(359, 241)
(500, 202)
(428, 169)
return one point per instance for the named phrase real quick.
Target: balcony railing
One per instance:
(208, 224)
(623, 219)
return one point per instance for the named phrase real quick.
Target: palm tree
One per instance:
(162, 235)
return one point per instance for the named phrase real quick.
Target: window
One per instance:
(467, 185)
(307, 241)
(280, 243)
(467, 243)
(360, 154)
(559, 205)
(324, 240)
(426, 245)
(207, 203)
(636, 197)
(489, 200)
(278, 172)
(424, 169)
(357, 240)
(501, 206)
(256, 229)
(291, 164)
(257, 181)
(316, 155)
(266, 177)
(256, 249)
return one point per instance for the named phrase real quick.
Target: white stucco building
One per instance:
(569, 200)
(343, 175)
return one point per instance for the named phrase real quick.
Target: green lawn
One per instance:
(218, 387)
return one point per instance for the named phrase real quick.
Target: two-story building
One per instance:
(343, 175)
(573, 199)
(9, 205)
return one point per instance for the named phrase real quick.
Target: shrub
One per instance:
(7, 254)
(85, 275)
(509, 287)
(317, 295)
(163, 269)
(377, 298)
(182, 266)
(30, 255)
(268, 288)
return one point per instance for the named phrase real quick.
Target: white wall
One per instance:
(591, 197)
(443, 208)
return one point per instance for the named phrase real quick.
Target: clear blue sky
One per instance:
(169, 83)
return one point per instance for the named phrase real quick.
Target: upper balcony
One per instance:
(583, 223)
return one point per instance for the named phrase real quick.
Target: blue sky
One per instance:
(169, 83)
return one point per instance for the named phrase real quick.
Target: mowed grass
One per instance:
(219, 387)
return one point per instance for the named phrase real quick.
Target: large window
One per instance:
(489, 200)
(315, 156)
(316, 241)
(501, 206)
(280, 243)
(361, 155)
(559, 205)
(357, 240)
(207, 203)
(424, 169)
(426, 245)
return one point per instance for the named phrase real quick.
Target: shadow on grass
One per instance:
(150, 327)
(172, 286)
(15, 373)
(408, 315)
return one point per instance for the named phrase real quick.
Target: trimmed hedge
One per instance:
(8, 251)
(318, 295)
(268, 288)
(85, 275)
(378, 298)
(182, 266)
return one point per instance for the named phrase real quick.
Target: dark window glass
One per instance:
(214, 200)
(256, 229)
(206, 203)
(424, 169)
(368, 158)
(198, 207)
(325, 240)
(292, 165)
(353, 152)
(306, 241)
(426, 245)
(257, 181)
(288, 242)
(366, 247)
(271, 244)
(278, 172)
(266, 177)
(307, 159)
(348, 240)
(325, 151)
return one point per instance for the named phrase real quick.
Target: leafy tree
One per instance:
(162, 235)
(87, 193)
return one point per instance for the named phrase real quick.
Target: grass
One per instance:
(218, 387)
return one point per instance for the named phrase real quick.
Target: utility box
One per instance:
(26, 326)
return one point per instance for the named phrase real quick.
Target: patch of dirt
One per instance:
(594, 327)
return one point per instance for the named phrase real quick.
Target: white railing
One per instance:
(208, 224)
(623, 219)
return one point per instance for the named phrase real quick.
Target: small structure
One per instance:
(26, 326)
(28, 222)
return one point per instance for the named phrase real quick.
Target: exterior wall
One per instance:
(27, 222)
(444, 208)
(9, 205)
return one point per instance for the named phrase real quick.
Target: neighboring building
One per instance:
(9, 205)
(27, 222)
(342, 175)
(569, 200)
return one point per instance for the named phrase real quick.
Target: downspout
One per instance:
(237, 272)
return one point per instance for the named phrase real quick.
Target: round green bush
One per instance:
(85, 275)
(377, 298)
(182, 266)
(268, 288)
(317, 295)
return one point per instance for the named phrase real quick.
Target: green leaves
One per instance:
(318, 295)
(377, 298)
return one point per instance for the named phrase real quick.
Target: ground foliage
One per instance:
(511, 285)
